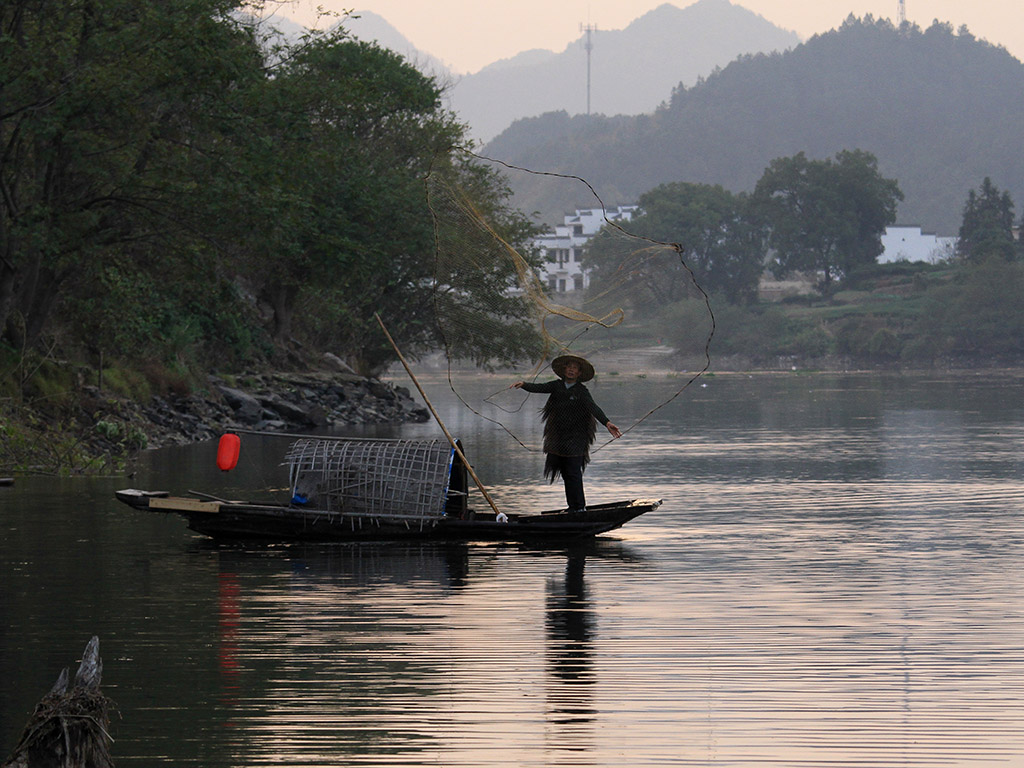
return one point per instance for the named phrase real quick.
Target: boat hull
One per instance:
(229, 520)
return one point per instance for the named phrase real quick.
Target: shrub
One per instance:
(815, 341)
(884, 344)
(979, 313)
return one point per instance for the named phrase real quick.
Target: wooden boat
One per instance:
(282, 522)
(378, 490)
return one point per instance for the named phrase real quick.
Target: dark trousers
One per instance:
(571, 469)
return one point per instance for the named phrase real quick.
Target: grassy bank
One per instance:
(53, 422)
(894, 315)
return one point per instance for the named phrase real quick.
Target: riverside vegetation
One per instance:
(893, 316)
(963, 310)
(184, 191)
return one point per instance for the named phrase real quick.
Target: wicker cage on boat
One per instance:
(393, 478)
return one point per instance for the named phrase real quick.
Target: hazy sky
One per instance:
(469, 34)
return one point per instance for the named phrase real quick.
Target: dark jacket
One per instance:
(570, 418)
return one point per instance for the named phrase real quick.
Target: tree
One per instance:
(165, 179)
(104, 106)
(987, 228)
(826, 216)
(341, 228)
(721, 244)
(344, 134)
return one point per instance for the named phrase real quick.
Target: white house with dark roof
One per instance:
(562, 269)
(909, 243)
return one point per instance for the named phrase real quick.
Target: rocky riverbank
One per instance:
(98, 431)
(280, 402)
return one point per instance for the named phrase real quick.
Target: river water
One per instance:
(834, 579)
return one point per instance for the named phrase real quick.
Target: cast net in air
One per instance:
(589, 285)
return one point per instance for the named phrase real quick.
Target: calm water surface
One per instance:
(834, 580)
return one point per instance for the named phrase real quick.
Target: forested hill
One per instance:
(940, 109)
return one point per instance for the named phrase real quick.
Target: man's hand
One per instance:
(613, 430)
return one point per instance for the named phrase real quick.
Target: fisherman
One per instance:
(570, 417)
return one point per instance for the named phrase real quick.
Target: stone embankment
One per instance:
(276, 402)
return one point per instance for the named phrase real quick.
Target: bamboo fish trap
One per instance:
(389, 478)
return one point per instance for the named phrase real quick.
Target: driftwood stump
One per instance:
(70, 725)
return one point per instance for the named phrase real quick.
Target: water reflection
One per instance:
(570, 624)
(228, 620)
(318, 662)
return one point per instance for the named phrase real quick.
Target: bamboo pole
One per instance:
(451, 440)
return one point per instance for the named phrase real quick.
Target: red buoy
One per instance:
(227, 451)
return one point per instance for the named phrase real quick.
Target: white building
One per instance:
(906, 243)
(562, 249)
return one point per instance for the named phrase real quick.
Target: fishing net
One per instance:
(587, 287)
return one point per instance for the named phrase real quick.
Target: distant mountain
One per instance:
(631, 70)
(370, 27)
(363, 25)
(940, 110)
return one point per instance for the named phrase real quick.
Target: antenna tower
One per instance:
(589, 46)
(901, 15)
